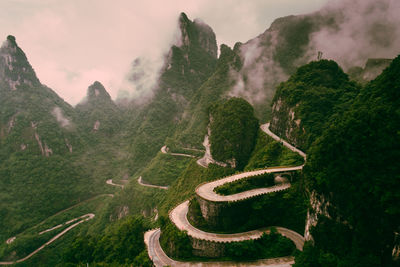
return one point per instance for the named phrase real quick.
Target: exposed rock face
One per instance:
(197, 33)
(33, 118)
(189, 63)
(285, 123)
(319, 206)
(15, 70)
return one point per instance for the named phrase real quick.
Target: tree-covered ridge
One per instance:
(193, 126)
(304, 103)
(97, 112)
(233, 131)
(353, 164)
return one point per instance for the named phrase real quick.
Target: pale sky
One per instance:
(72, 43)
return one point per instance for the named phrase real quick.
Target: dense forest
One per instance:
(128, 164)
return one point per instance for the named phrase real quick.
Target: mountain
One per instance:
(351, 171)
(34, 119)
(304, 103)
(58, 162)
(351, 135)
(98, 113)
(187, 65)
(39, 141)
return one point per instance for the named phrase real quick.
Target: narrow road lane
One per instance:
(140, 181)
(159, 258)
(178, 215)
(83, 218)
(110, 182)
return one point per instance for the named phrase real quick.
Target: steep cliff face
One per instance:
(33, 118)
(353, 180)
(39, 141)
(15, 70)
(303, 104)
(188, 64)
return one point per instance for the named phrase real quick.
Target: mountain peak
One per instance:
(15, 70)
(197, 33)
(97, 91)
(11, 39)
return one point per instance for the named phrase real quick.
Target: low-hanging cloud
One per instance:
(364, 29)
(259, 75)
(73, 43)
(61, 119)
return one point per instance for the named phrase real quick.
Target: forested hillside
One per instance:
(101, 174)
(352, 166)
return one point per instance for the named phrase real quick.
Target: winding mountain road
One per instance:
(178, 216)
(83, 218)
(140, 181)
(164, 150)
(265, 128)
(110, 182)
(159, 258)
(206, 190)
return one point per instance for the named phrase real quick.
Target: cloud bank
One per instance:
(365, 29)
(72, 43)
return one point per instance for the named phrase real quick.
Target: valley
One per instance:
(267, 153)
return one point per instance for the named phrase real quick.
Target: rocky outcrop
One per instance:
(15, 70)
(285, 123)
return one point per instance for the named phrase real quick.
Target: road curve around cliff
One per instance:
(206, 191)
(178, 216)
(159, 258)
(83, 218)
(265, 129)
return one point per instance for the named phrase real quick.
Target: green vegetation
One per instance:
(174, 242)
(294, 34)
(29, 240)
(314, 93)
(183, 188)
(270, 245)
(98, 107)
(120, 244)
(259, 181)
(269, 153)
(353, 164)
(285, 208)
(193, 126)
(233, 131)
(164, 169)
(186, 69)
(177, 245)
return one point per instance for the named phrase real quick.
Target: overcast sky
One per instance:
(72, 43)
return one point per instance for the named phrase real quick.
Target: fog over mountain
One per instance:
(85, 41)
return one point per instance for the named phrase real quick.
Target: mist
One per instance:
(365, 29)
(61, 119)
(259, 74)
(71, 44)
(362, 29)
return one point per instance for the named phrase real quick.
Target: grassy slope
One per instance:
(164, 169)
